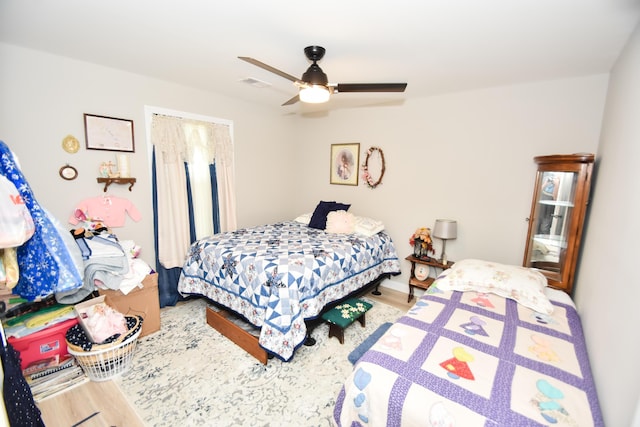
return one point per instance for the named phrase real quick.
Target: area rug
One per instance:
(188, 374)
(368, 342)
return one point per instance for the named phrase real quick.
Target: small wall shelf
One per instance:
(108, 181)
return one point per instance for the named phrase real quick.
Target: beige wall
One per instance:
(607, 292)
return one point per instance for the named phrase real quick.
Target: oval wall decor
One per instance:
(373, 167)
(68, 172)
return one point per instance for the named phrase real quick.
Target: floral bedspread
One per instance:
(278, 275)
(469, 359)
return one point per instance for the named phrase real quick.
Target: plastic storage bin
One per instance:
(43, 345)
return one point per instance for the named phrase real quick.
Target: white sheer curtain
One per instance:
(226, 177)
(198, 143)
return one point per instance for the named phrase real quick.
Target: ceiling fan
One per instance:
(314, 85)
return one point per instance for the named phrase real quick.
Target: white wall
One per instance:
(44, 97)
(465, 156)
(608, 293)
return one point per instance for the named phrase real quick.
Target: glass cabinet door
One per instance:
(552, 219)
(557, 213)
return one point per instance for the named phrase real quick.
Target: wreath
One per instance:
(366, 175)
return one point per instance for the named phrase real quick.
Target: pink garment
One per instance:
(110, 210)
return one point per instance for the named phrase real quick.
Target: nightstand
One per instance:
(421, 271)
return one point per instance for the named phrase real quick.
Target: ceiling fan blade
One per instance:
(370, 87)
(292, 100)
(268, 68)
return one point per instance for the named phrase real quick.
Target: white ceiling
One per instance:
(436, 46)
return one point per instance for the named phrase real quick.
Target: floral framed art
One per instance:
(108, 133)
(345, 159)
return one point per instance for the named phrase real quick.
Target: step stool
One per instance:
(344, 314)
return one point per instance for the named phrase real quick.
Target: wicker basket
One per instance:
(134, 324)
(106, 363)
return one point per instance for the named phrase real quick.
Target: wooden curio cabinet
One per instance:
(558, 209)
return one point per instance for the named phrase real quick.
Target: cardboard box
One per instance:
(81, 310)
(143, 301)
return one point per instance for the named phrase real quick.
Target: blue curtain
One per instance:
(214, 199)
(168, 277)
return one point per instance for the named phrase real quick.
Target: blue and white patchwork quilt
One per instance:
(278, 275)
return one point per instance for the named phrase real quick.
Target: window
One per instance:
(191, 160)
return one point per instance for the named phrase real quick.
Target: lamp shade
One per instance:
(314, 94)
(445, 229)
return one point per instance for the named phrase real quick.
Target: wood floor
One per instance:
(394, 298)
(107, 406)
(92, 404)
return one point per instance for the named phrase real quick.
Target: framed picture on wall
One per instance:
(345, 159)
(108, 133)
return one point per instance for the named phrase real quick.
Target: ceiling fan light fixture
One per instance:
(314, 85)
(314, 94)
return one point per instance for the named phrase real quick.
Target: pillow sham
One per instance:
(303, 219)
(319, 217)
(522, 284)
(367, 226)
(340, 222)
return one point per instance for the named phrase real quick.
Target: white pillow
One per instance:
(522, 284)
(304, 218)
(341, 222)
(367, 226)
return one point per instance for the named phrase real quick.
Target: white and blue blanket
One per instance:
(45, 263)
(278, 275)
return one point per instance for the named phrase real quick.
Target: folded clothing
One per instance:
(30, 323)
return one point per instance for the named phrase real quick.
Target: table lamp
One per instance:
(445, 229)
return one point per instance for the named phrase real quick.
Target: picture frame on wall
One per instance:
(345, 160)
(108, 133)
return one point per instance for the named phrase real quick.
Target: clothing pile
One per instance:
(39, 258)
(108, 263)
(42, 262)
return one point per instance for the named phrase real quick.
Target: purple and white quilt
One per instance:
(278, 275)
(470, 359)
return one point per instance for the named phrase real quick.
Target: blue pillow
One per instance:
(319, 217)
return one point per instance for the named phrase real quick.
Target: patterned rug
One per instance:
(188, 374)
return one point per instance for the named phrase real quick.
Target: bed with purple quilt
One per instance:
(466, 355)
(277, 276)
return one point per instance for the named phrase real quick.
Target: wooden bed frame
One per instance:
(221, 320)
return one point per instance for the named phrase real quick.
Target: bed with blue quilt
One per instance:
(476, 351)
(278, 276)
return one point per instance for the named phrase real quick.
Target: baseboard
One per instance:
(399, 287)
(395, 285)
